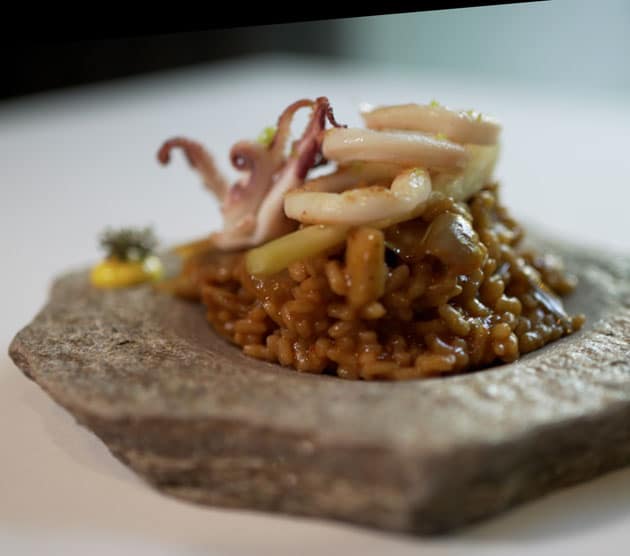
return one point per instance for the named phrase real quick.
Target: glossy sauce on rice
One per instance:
(456, 292)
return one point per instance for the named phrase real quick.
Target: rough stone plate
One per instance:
(200, 421)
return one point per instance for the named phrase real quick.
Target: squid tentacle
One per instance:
(200, 160)
(252, 207)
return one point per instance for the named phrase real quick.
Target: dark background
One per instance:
(571, 46)
(51, 48)
(56, 62)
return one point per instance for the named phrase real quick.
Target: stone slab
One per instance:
(200, 421)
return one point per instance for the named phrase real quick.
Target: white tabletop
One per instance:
(76, 162)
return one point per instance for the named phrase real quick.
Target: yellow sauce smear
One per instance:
(115, 273)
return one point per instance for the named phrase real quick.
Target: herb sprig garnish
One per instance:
(128, 244)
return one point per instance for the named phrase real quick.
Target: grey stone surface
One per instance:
(200, 421)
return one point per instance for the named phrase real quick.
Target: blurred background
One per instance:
(555, 44)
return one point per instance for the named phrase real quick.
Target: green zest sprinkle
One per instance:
(441, 136)
(474, 115)
(434, 104)
(266, 135)
(128, 244)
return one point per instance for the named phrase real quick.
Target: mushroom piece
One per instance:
(452, 239)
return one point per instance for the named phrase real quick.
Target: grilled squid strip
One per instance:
(459, 126)
(355, 207)
(312, 240)
(405, 148)
(355, 174)
(464, 184)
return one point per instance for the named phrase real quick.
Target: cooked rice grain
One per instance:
(364, 313)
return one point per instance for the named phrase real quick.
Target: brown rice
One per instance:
(388, 306)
